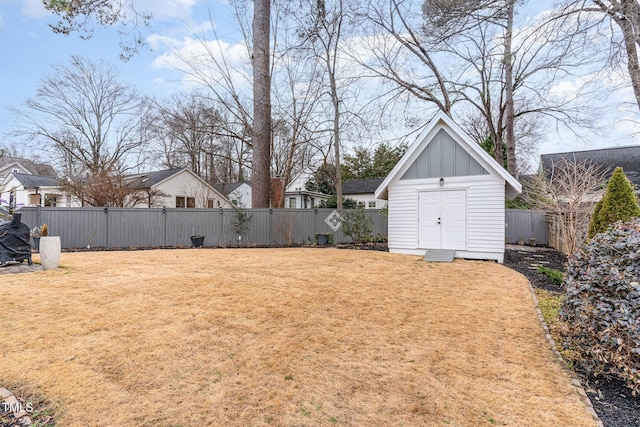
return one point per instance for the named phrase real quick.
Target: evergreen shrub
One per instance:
(601, 309)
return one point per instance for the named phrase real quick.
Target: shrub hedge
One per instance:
(601, 309)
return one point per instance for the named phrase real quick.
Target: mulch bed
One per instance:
(611, 400)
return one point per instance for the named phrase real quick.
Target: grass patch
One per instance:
(556, 276)
(550, 304)
(300, 337)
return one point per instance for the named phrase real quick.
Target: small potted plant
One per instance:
(50, 248)
(36, 233)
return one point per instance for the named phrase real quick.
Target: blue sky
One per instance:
(30, 49)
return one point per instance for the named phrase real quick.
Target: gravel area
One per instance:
(611, 400)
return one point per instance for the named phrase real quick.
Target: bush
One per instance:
(357, 225)
(618, 204)
(332, 202)
(601, 309)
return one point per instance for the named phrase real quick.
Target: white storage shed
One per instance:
(447, 193)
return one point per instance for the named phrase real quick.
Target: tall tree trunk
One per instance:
(626, 13)
(510, 139)
(260, 177)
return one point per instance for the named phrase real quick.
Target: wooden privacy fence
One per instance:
(522, 225)
(158, 227)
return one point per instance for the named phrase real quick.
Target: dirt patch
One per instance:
(300, 337)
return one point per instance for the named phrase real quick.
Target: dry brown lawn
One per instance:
(282, 337)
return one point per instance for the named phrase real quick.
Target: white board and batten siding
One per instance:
(485, 229)
(473, 185)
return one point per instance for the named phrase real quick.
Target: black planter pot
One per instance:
(323, 239)
(197, 241)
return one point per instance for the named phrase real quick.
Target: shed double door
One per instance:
(442, 219)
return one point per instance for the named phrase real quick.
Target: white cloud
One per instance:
(196, 59)
(34, 9)
(166, 9)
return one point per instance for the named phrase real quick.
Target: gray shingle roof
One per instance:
(361, 186)
(609, 158)
(226, 188)
(33, 167)
(149, 179)
(33, 181)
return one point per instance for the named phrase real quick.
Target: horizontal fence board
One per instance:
(158, 227)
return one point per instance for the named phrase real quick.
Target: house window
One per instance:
(191, 202)
(372, 204)
(361, 204)
(292, 202)
(210, 203)
(50, 200)
(14, 170)
(180, 202)
(234, 201)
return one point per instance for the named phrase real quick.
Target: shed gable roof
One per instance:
(443, 122)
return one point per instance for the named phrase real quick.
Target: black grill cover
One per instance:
(14, 241)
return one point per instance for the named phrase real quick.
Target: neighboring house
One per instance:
(32, 184)
(10, 164)
(363, 192)
(175, 188)
(446, 192)
(608, 158)
(296, 196)
(239, 193)
(36, 190)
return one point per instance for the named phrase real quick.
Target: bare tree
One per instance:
(473, 54)
(600, 15)
(567, 193)
(189, 130)
(322, 30)
(89, 119)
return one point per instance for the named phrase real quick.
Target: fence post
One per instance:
(221, 216)
(106, 226)
(39, 216)
(270, 227)
(164, 226)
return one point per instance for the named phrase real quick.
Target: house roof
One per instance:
(361, 186)
(33, 167)
(154, 178)
(227, 188)
(149, 179)
(441, 120)
(33, 181)
(608, 158)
